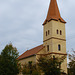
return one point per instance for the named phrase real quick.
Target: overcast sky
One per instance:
(21, 22)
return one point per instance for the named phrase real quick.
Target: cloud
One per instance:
(21, 22)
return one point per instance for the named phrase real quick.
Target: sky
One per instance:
(21, 22)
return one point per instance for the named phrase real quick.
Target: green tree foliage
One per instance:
(71, 64)
(8, 61)
(50, 65)
(30, 69)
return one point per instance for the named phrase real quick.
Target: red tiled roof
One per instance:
(53, 13)
(30, 52)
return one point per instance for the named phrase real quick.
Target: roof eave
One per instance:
(53, 19)
(27, 57)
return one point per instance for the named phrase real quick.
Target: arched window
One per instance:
(53, 57)
(60, 32)
(59, 47)
(46, 33)
(47, 47)
(57, 31)
(60, 65)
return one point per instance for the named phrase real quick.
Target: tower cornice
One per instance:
(54, 38)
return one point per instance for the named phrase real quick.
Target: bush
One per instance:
(25, 69)
(30, 69)
(35, 72)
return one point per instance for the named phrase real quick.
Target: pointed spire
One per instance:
(53, 13)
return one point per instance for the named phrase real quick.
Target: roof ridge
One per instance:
(30, 52)
(31, 49)
(35, 47)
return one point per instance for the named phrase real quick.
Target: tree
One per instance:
(30, 69)
(8, 61)
(51, 65)
(72, 63)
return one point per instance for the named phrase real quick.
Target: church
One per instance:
(54, 38)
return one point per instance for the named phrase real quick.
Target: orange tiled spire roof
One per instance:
(53, 13)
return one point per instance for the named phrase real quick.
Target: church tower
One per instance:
(54, 38)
